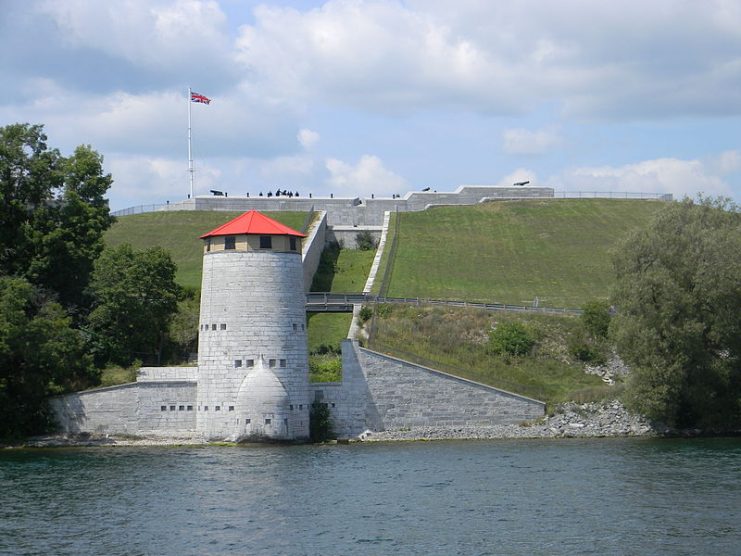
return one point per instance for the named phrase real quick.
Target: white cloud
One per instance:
(662, 175)
(153, 33)
(144, 180)
(590, 57)
(287, 168)
(307, 138)
(727, 162)
(368, 176)
(523, 141)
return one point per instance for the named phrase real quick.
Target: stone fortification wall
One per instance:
(312, 248)
(356, 211)
(110, 410)
(347, 235)
(253, 316)
(162, 401)
(382, 393)
(166, 407)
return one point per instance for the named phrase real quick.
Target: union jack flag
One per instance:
(197, 97)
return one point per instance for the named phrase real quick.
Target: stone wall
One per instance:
(382, 393)
(110, 410)
(366, 211)
(312, 248)
(347, 235)
(162, 401)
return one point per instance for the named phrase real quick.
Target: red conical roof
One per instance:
(253, 223)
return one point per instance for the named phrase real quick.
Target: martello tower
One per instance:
(252, 348)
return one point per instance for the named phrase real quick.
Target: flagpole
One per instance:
(190, 150)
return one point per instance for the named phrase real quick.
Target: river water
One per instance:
(606, 496)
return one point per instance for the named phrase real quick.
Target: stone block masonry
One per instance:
(161, 402)
(364, 212)
(382, 393)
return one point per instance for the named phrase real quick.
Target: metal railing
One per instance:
(317, 300)
(141, 209)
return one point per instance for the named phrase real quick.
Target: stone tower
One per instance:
(253, 371)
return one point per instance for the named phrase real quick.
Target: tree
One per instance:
(183, 330)
(135, 297)
(53, 213)
(678, 297)
(40, 354)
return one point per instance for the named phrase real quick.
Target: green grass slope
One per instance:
(178, 232)
(511, 252)
(342, 270)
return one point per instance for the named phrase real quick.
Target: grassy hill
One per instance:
(178, 232)
(511, 252)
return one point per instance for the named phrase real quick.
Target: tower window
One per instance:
(230, 242)
(267, 421)
(283, 363)
(247, 421)
(292, 242)
(217, 408)
(271, 363)
(163, 408)
(231, 408)
(190, 408)
(222, 326)
(250, 363)
(172, 408)
(237, 363)
(213, 327)
(295, 327)
(266, 242)
(181, 408)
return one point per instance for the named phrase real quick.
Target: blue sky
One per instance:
(354, 97)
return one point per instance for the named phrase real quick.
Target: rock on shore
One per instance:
(571, 420)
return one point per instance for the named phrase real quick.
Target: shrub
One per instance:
(596, 318)
(365, 313)
(365, 241)
(384, 310)
(325, 368)
(320, 422)
(511, 338)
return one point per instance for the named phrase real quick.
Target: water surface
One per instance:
(621, 496)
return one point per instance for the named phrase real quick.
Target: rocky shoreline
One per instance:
(571, 420)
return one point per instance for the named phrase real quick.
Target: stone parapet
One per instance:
(361, 212)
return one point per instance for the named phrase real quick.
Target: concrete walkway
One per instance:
(379, 253)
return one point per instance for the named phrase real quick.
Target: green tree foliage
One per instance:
(183, 330)
(53, 213)
(135, 297)
(320, 423)
(364, 240)
(511, 338)
(596, 318)
(589, 342)
(678, 297)
(40, 354)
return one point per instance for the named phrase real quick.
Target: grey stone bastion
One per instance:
(365, 212)
(251, 382)
(378, 393)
